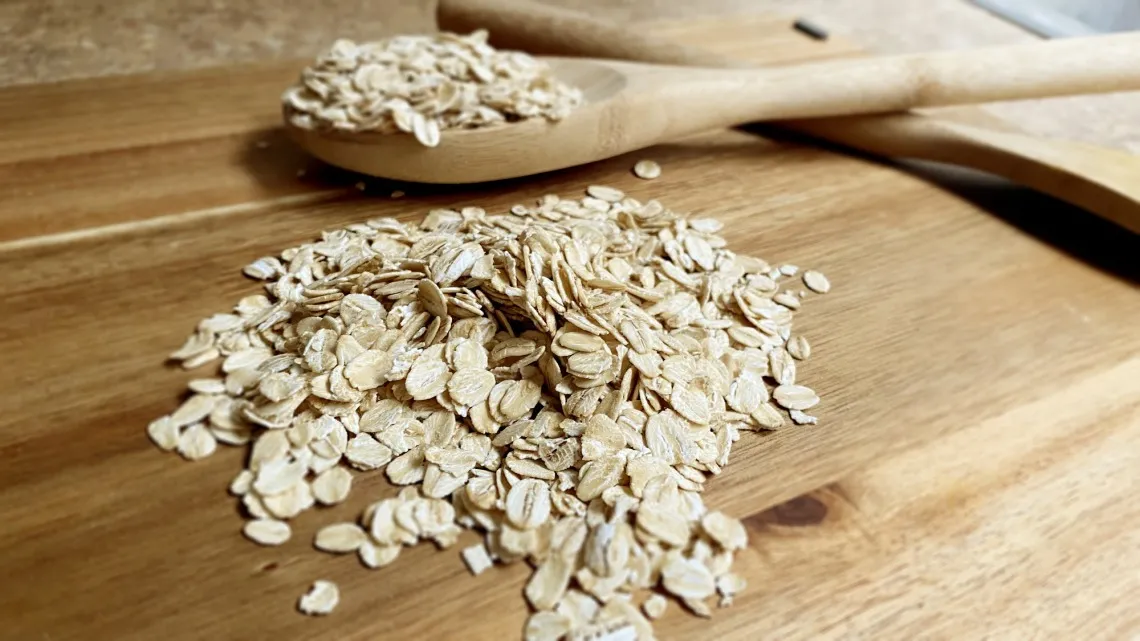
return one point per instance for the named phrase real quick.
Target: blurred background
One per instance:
(1060, 18)
(49, 40)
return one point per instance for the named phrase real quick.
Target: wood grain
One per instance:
(1016, 527)
(978, 360)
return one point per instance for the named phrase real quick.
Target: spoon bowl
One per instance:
(487, 153)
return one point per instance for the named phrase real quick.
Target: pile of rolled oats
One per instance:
(423, 85)
(562, 378)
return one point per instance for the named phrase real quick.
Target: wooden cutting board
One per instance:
(983, 329)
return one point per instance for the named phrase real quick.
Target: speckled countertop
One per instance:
(50, 40)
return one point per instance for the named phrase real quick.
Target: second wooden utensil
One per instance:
(1103, 181)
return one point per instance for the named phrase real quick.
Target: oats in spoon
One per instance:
(424, 85)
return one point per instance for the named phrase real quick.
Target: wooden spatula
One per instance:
(1103, 181)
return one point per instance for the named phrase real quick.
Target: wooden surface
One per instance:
(978, 358)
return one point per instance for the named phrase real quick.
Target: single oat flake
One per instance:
(655, 606)
(322, 598)
(647, 170)
(563, 378)
(267, 531)
(817, 282)
(340, 538)
(477, 559)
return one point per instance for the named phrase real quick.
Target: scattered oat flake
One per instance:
(340, 538)
(547, 626)
(730, 584)
(687, 578)
(377, 555)
(816, 282)
(647, 169)
(289, 503)
(608, 194)
(549, 582)
(366, 453)
(427, 379)
(278, 475)
(698, 607)
(728, 532)
(322, 598)
(267, 531)
(194, 409)
(477, 559)
(207, 386)
(196, 442)
(767, 416)
(164, 433)
(798, 347)
(470, 385)
(332, 486)
(800, 418)
(795, 397)
(655, 606)
(242, 483)
(528, 504)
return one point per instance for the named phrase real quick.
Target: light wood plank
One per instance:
(126, 112)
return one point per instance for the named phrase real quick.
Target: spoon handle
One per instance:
(1013, 72)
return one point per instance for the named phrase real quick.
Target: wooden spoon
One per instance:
(1101, 180)
(629, 105)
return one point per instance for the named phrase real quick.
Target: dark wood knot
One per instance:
(802, 511)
